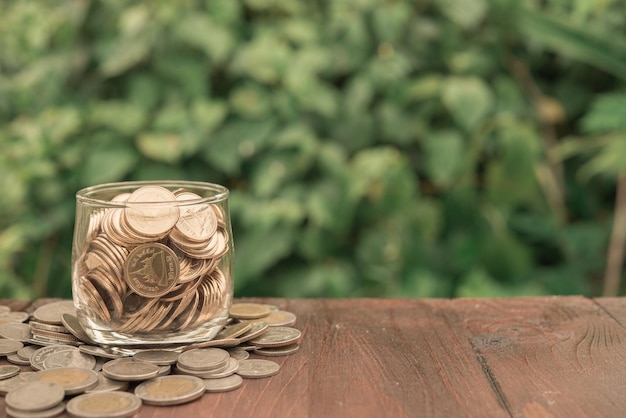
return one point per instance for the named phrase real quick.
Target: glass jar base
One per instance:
(107, 337)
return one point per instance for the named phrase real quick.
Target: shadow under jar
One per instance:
(152, 262)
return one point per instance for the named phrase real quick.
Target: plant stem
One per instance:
(615, 253)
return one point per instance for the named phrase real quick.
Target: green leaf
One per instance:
(468, 14)
(469, 100)
(164, 147)
(610, 159)
(607, 114)
(444, 157)
(119, 116)
(104, 165)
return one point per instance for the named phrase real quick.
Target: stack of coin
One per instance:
(154, 264)
(92, 378)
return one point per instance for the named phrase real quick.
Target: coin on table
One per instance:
(107, 385)
(15, 316)
(48, 394)
(4, 310)
(246, 310)
(9, 346)
(104, 405)
(255, 368)
(16, 381)
(46, 413)
(280, 319)
(233, 331)
(15, 331)
(73, 380)
(277, 351)
(52, 313)
(170, 390)
(39, 356)
(130, 370)
(97, 351)
(160, 357)
(26, 352)
(203, 359)
(238, 354)
(231, 368)
(223, 384)
(225, 342)
(278, 336)
(69, 358)
(256, 330)
(8, 371)
(15, 359)
(151, 270)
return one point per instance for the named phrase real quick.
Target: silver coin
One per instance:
(15, 317)
(107, 385)
(4, 310)
(15, 331)
(48, 394)
(254, 368)
(47, 327)
(238, 353)
(8, 371)
(278, 336)
(130, 370)
(26, 352)
(233, 366)
(52, 313)
(46, 413)
(277, 351)
(280, 318)
(233, 331)
(15, 359)
(160, 357)
(39, 356)
(9, 346)
(203, 359)
(16, 381)
(104, 405)
(170, 390)
(224, 384)
(73, 380)
(256, 330)
(69, 358)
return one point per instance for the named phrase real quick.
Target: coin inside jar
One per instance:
(148, 212)
(151, 270)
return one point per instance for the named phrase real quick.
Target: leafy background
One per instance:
(425, 148)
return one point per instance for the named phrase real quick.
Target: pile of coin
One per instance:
(94, 381)
(154, 265)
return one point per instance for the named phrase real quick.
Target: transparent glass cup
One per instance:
(152, 262)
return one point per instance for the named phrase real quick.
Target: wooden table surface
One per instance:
(515, 357)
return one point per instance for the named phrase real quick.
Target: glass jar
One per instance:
(152, 262)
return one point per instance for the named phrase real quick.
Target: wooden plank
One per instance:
(361, 358)
(556, 356)
(616, 307)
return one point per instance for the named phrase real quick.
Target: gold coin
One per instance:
(149, 214)
(104, 405)
(151, 270)
(170, 390)
(249, 310)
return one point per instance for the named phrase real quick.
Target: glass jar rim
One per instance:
(90, 195)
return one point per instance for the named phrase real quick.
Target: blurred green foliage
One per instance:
(425, 148)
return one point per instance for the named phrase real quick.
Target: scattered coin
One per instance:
(224, 384)
(8, 371)
(95, 350)
(238, 354)
(4, 310)
(16, 316)
(69, 358)
(277, 351)
(170, 390)
(256, 330)
(26, 352)
(280, 319)
(52, 313)
(9, 346)
(255, 368)
(160, 357)
(15, 359)
(49, 394)
(16, 381)
(73, 380)
(278, 336)
(249, 310)
(130, 370)
(107, 385)
(15, 331)
(71, 323)
(203, 359)
(234, 331)
(46, 413)
(104, 405)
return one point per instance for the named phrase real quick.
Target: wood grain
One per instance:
(517, 357)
